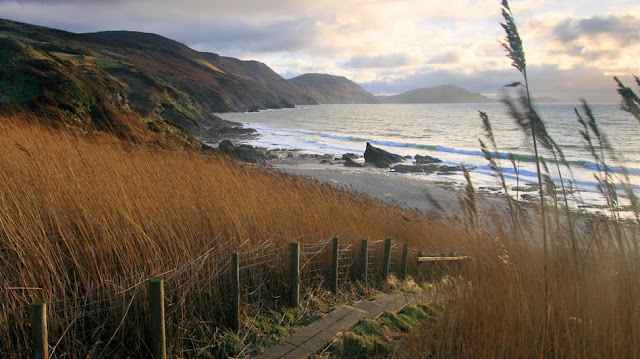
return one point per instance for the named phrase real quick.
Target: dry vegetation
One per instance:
(566, 288)
(593, 308)
(83, 214)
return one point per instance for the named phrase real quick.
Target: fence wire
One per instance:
(262, 272)
(315, 265)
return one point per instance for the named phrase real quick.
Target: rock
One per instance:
(379, 157)
(444, 169)
(226, 147)
(529, 197)
(244, 153)
(248, 153)
(326, 162)
(415, 169)
(206, 149)
(349, 162)
(423, 160)
(353, 156)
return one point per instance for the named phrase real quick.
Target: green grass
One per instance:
(379, 337)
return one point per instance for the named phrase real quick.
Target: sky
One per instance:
(573, 48)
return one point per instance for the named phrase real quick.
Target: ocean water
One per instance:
(451, 132)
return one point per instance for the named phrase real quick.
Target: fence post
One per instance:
(364, 247)
(295, 274)
(334, 267)
(419, 265)
(156, 309)
(39, 330)
(387, 259)
(235, 292)
(405, 260)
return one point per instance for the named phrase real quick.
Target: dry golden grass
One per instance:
(80, 214)
(593, 309)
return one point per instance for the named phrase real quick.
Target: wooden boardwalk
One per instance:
(321, 333)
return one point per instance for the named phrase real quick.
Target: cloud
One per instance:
(379, 61)
(624, 30)
(445, 58)
(239, 37)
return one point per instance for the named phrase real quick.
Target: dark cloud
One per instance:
(625, 30)
(547, 80)
(379, 61)
(235, 37)
(229, 35)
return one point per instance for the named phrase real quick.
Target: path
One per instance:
(319, 334)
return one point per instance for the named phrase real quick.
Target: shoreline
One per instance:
(403, 186)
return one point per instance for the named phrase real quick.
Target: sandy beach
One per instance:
(395, 188)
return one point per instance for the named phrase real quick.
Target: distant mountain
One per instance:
(329, 89)
(439, 94)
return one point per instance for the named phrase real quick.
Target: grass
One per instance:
(379, 337)
(566, 287)
(89, 217)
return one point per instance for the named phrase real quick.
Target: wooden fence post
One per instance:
(364, 248)
(156, 309)
(387, 259)
(419, 265)
(39, 330)
(405, 260)
(235, 292)
(334, 266)
(295, 274)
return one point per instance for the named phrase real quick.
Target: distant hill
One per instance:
(329, 89)
(439, 94)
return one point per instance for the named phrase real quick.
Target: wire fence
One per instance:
(315, 265)
(262, 274)
(113, 320)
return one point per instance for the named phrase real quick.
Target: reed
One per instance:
(84, 214)
(577, 297)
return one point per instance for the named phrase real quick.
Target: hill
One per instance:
(439, 94)
(262, 76)
(329, 89)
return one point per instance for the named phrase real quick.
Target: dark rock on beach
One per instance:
(352, 156)
(248, 153)
(226, 147)
(423, 160)
(379, 157)
(349, 162)
(243, 153)
(444, 169)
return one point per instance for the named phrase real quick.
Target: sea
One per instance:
(451, 132)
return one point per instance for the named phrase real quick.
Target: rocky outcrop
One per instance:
(349, 162)
(423, 160)
(379, 157)
(243, 153)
